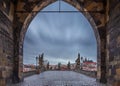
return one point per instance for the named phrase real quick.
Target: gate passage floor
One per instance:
(59, 78)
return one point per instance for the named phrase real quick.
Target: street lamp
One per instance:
(36, 61)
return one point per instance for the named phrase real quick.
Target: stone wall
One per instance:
(113, 43)
(29, 73)
(6, 42)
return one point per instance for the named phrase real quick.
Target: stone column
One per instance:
(102, 58)
(18, 53)
(6, 48)
(113, 37)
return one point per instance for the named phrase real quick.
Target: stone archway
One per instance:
(93, 11)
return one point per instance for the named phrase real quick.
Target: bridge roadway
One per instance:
(59, 78)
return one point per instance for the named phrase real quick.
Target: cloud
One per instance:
(60, 36)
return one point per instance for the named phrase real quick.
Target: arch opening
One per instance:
(87, 15)
(68, 28)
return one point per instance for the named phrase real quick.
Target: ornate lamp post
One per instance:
(37, 66)
(36, 62)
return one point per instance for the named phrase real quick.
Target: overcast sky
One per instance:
(60, 36)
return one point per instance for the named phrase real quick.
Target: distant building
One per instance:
(89, 66)
(64, 67)
(53, 67)
(73, 65)
(45, 62)
(28, 67)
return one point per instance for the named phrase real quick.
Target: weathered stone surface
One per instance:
(6, 42)
(113, 30)
(118, 72)
(2, 82)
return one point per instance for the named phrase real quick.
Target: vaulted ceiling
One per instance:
(96, 8)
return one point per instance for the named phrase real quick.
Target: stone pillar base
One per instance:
(38, 71)
(103, 80)
(17, 80)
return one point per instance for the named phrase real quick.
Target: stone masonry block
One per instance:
(2, 82)
(118, 71)
(3, 74)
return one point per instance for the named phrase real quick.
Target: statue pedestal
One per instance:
(38, 71)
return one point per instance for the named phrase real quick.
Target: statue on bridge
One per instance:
(78, 62)
(41, 61)
(40, 67)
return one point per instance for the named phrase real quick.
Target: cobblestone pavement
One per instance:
(59, 78)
